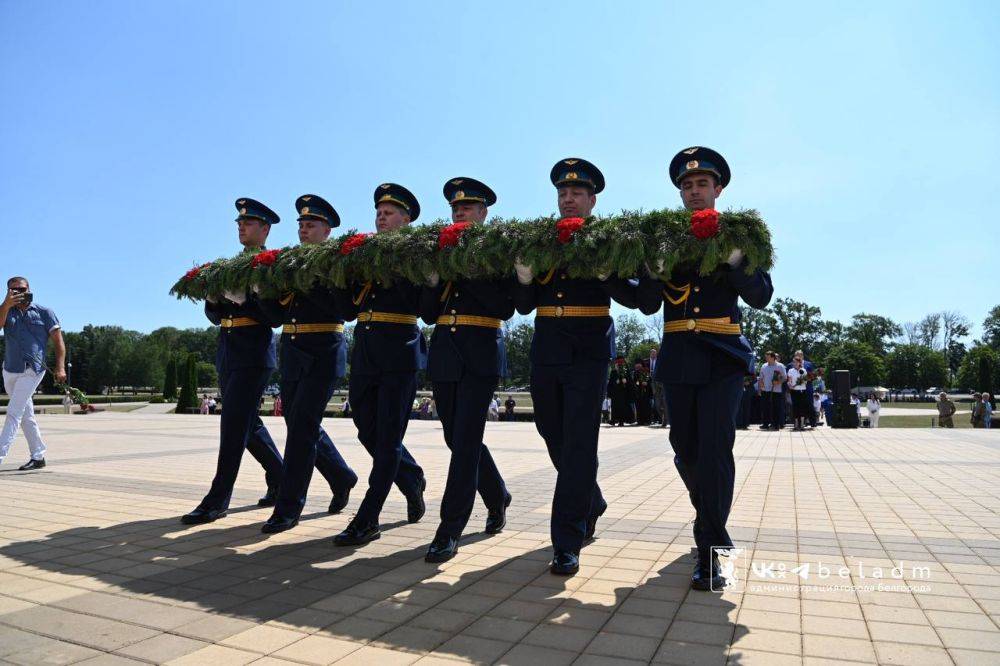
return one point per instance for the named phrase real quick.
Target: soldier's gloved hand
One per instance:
(212, 299)
(735, 258)
(524, 273)
(603, 275)
(238, 297)
(255, 288)
(656, 270)
(433, 279)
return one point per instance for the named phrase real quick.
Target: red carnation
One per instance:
(705, 223)
(449, 235)
(351, 243)
(265, 258)
(568, 226)
(193, 273)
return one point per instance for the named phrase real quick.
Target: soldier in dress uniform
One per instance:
(703, 359)
(389, 349)
(573, 342)
(244, 360)
(465, 363)
(313, 359)
(620, 393)
(643, 393)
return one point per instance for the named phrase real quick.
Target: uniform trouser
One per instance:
(702, 433)
(567, 401)
(241, 428)
(462, 408)
(380, 407)
(307, 444)
(20, 386)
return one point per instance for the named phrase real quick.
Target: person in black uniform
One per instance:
(389, 349)
(620, 392)
(573, 342)
(703, 359)
(464, 364)
(313, 359)
(643, 396)
(244, 360)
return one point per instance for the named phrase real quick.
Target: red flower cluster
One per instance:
(568, 226)
(193, 273)
(449, 235)
(705, 223)
(351, 243)
(265, 258)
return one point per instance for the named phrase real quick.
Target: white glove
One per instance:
(524, 273)
(212, 299)
(735, 258)
(255, 288)
(238, 297)
(603, 276)
(433, 279)
(656, 270)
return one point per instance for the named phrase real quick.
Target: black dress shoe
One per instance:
(357, 533)
(339, 501)
(564, 563)
(200, 516)
(707, 574)
(592, 524)
(270, 498)
(441, 549)
(32, 464)
(277, 524)
(496, 520)
(415, 507)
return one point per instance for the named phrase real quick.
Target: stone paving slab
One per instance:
(95, 567)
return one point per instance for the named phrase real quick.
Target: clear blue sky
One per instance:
(867, 134)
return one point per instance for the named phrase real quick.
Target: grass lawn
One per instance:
(960, 420)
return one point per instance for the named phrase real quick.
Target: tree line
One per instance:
(935, 351)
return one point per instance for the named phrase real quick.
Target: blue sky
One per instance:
(868, 134)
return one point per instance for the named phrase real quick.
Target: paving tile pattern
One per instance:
(96, 569)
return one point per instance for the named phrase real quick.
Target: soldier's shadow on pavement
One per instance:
(306, 584)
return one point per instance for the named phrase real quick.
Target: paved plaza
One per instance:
(95, 567)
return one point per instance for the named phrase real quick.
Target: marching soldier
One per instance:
(703, 359)
(313, 360)
(570, 350)
(389, 349)
(465, 362)
(244, 360)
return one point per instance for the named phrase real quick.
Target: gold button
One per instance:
(373, 295)
(293, 337)
(559, 294)
(368, 328)
(293, 320)
(697, 309)
(559, 311)
(456, 294)
(369, 309)
(691, 324)
(697, 289)
(562, 277)
(453, 329)
(453, 312)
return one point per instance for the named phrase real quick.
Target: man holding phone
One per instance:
(27, 328)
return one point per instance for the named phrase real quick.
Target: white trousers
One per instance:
(20, 386)
(873, 418)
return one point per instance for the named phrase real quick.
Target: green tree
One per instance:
(991, 328)
(189, 385)
(517, 337)
(866, 366)
(788, 325)
(170, 378)
(916, 366)
(641, 351)
(207, 376)
(980, 370)
(875, 331)
(629, 333)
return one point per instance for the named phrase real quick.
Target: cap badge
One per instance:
(384, 186)
(457, 181)
(571, 176)
(305, 210)
(241, 202)
(693, 164)
(570, 162)
(243, 211)
(386, 197)
(306, 198)
(691, 151)
(459, 195)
